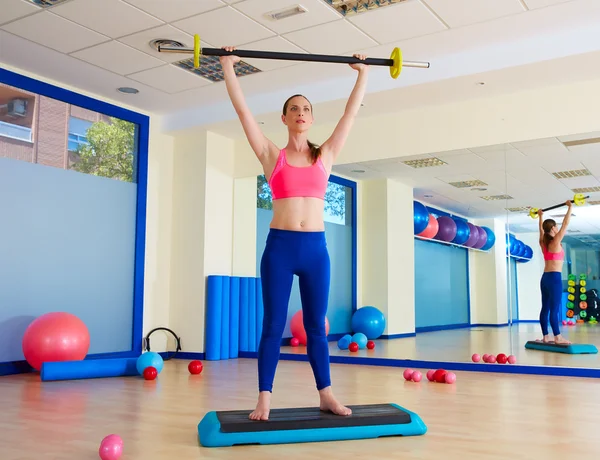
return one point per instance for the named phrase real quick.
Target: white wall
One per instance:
(487, 278)
(528, 279)
(387, 252)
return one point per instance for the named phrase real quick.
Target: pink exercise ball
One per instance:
(56, 336)
(297, 327)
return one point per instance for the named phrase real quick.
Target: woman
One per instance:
(551, 283)
(298, 176)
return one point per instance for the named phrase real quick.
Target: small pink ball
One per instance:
(491, 359)
(294, 342)
(564, 322)
(430, 375)
(417, 376)
(408, 374)
(486, 357)
(111, 447)
(512, 359)
(450, 377)
(476, 358)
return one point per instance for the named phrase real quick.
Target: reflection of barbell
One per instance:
(395, 62)
(578, 199)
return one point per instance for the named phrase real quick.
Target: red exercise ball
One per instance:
(353, 347)
(370, 344)
(297, 327)
(439, 376)
(57, 336)
(432, 228)
(150, 373)
(502, 358)
(195, 367)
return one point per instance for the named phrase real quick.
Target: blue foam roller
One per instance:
(88, 369)
(244, 314)
(259, 311)
(225, 318)
(251, 315)
(214, 301)
(234, 316)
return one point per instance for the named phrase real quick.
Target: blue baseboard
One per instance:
(397, 336)
(445, 327)
(189, 355)
(489, 325)
(449, 366)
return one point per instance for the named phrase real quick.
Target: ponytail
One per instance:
(547, 226)
(315, 151)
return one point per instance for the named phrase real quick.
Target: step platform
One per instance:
(571, 349)
(308, 424)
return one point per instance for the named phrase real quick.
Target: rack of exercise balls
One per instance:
(450, 230)
(577, 302)
(516, 249)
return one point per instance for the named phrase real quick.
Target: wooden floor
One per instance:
(482, 416)
(458, 345)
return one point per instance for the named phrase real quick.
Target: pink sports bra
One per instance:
(292, 181)
(553, 255)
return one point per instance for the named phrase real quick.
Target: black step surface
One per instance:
(311, 418)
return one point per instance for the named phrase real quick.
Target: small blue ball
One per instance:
(360, 339)
(149, 359)
(344, 342)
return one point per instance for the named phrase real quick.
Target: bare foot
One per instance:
(330, 404)
(560, 340)
(546, 339)
(263, 407)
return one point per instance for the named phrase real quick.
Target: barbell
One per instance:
(395, 62)
(578, 199)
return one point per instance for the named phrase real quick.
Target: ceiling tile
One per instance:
(459, 13)
(54, 32)
(141, 41)
(173, 10)
(533, 4)
(277, 44)
(318, 13)
(118, 58)
(14, 9)
(109, 17)
(557, 150)
(398, 22)
(342, 37)
(169, 79)
(210, 26)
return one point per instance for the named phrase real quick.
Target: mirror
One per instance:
(555, 170)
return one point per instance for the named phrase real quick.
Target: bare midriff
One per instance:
(553, 266)
(298, 214)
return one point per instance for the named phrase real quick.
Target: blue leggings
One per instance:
(551, 286)
(288, 253)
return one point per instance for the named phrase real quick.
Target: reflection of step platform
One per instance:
(570, 349)
(308, 424)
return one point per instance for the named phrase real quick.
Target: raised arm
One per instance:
(261, 145)
(541, 221)
(333, 146)
(565, 223)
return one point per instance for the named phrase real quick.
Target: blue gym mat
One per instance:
(571, 349)
(310, 424)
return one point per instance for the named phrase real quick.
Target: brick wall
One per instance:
(52, 132)
(16, 149)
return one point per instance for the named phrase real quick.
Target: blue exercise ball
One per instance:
(463, 232)
(491, 239)
(420, 216)
(360, 339)
(344, 342)
(370, 321)
(149, 359)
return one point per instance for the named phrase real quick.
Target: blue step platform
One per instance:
(310, 424)
(570, 349)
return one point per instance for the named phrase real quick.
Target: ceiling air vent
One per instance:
(424, 163)
(352, 7)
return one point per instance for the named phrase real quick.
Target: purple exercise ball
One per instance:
(482, 239)
(447, 229)
(473, 236)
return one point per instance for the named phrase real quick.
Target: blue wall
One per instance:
(441, 285)
(72, 242)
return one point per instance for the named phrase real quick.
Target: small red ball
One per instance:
(501, 358)
(353, 346)
(294, 342)
(370, 344)
(150, 373)
(439, 376)
(195, 367)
